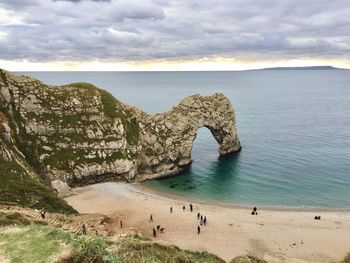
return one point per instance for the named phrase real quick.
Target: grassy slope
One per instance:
(40, 244)
(17, 188)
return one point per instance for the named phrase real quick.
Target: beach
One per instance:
(275, 234)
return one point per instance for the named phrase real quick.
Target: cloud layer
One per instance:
(133, 30)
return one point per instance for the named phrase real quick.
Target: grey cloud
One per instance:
(76, 1)
(137, 30)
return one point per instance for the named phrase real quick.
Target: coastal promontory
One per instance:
(79, 134)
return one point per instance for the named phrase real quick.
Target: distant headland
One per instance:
(304, 68)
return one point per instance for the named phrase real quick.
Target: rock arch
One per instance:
(180, 126)
(80, 134)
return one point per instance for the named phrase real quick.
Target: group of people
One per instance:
(202, 218)
(255, 211)
(159, 229)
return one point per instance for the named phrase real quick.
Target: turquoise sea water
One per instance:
(294, 127)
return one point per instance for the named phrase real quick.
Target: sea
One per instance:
(294, 127)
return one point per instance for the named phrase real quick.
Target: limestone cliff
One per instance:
(81, 134)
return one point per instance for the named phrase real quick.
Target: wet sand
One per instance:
(276, 235)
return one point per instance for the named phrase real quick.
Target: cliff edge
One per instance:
(80, 134)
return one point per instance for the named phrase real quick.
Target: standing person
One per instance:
(121, 223)
(191, 207)
(183, 208)
(198, 229)
(42, 213)
(205, 220)
(83, 228)
(151, 218)
(154, 232)
(198, 215)
(171, 209)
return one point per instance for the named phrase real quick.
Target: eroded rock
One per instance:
(79, 134)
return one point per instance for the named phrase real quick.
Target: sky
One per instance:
(173, 34)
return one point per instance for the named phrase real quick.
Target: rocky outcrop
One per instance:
(80, 134)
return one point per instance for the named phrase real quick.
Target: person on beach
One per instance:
(198, 230)
(121, 223)
(191, 207)
(154, 232)
(171, 209)
(201, 218)
(162, 230)
(205, 220)
(83, 228)
(42, 213)
(151, 218)
(183, 208)
(198, 215)
(158, 227)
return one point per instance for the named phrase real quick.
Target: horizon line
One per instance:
(316, 67)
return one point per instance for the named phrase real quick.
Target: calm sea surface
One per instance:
(294, 127)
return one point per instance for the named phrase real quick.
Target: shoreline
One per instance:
(155, 191)
(275, 235)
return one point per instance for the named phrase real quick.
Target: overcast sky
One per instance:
(146, 31)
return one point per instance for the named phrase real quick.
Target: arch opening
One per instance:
(204, 146)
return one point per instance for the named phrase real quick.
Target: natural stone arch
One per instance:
(80, 134)
(180, 126)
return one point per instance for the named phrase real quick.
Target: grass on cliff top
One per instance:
(135, 249)
(42, 244)
(17, 188)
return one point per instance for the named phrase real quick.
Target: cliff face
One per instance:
(80, 134)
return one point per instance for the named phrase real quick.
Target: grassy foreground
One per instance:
(23, 240)
(41, 244)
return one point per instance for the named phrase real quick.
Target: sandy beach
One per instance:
(276, 235)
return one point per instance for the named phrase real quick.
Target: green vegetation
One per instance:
(42, 244)
(32, 244)
(18, 188)
(7, 219)
(132, 130)
(110, 104)
(346, 259)
(247, 259)
(82, 85)
(135, 249)
(113, 108)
